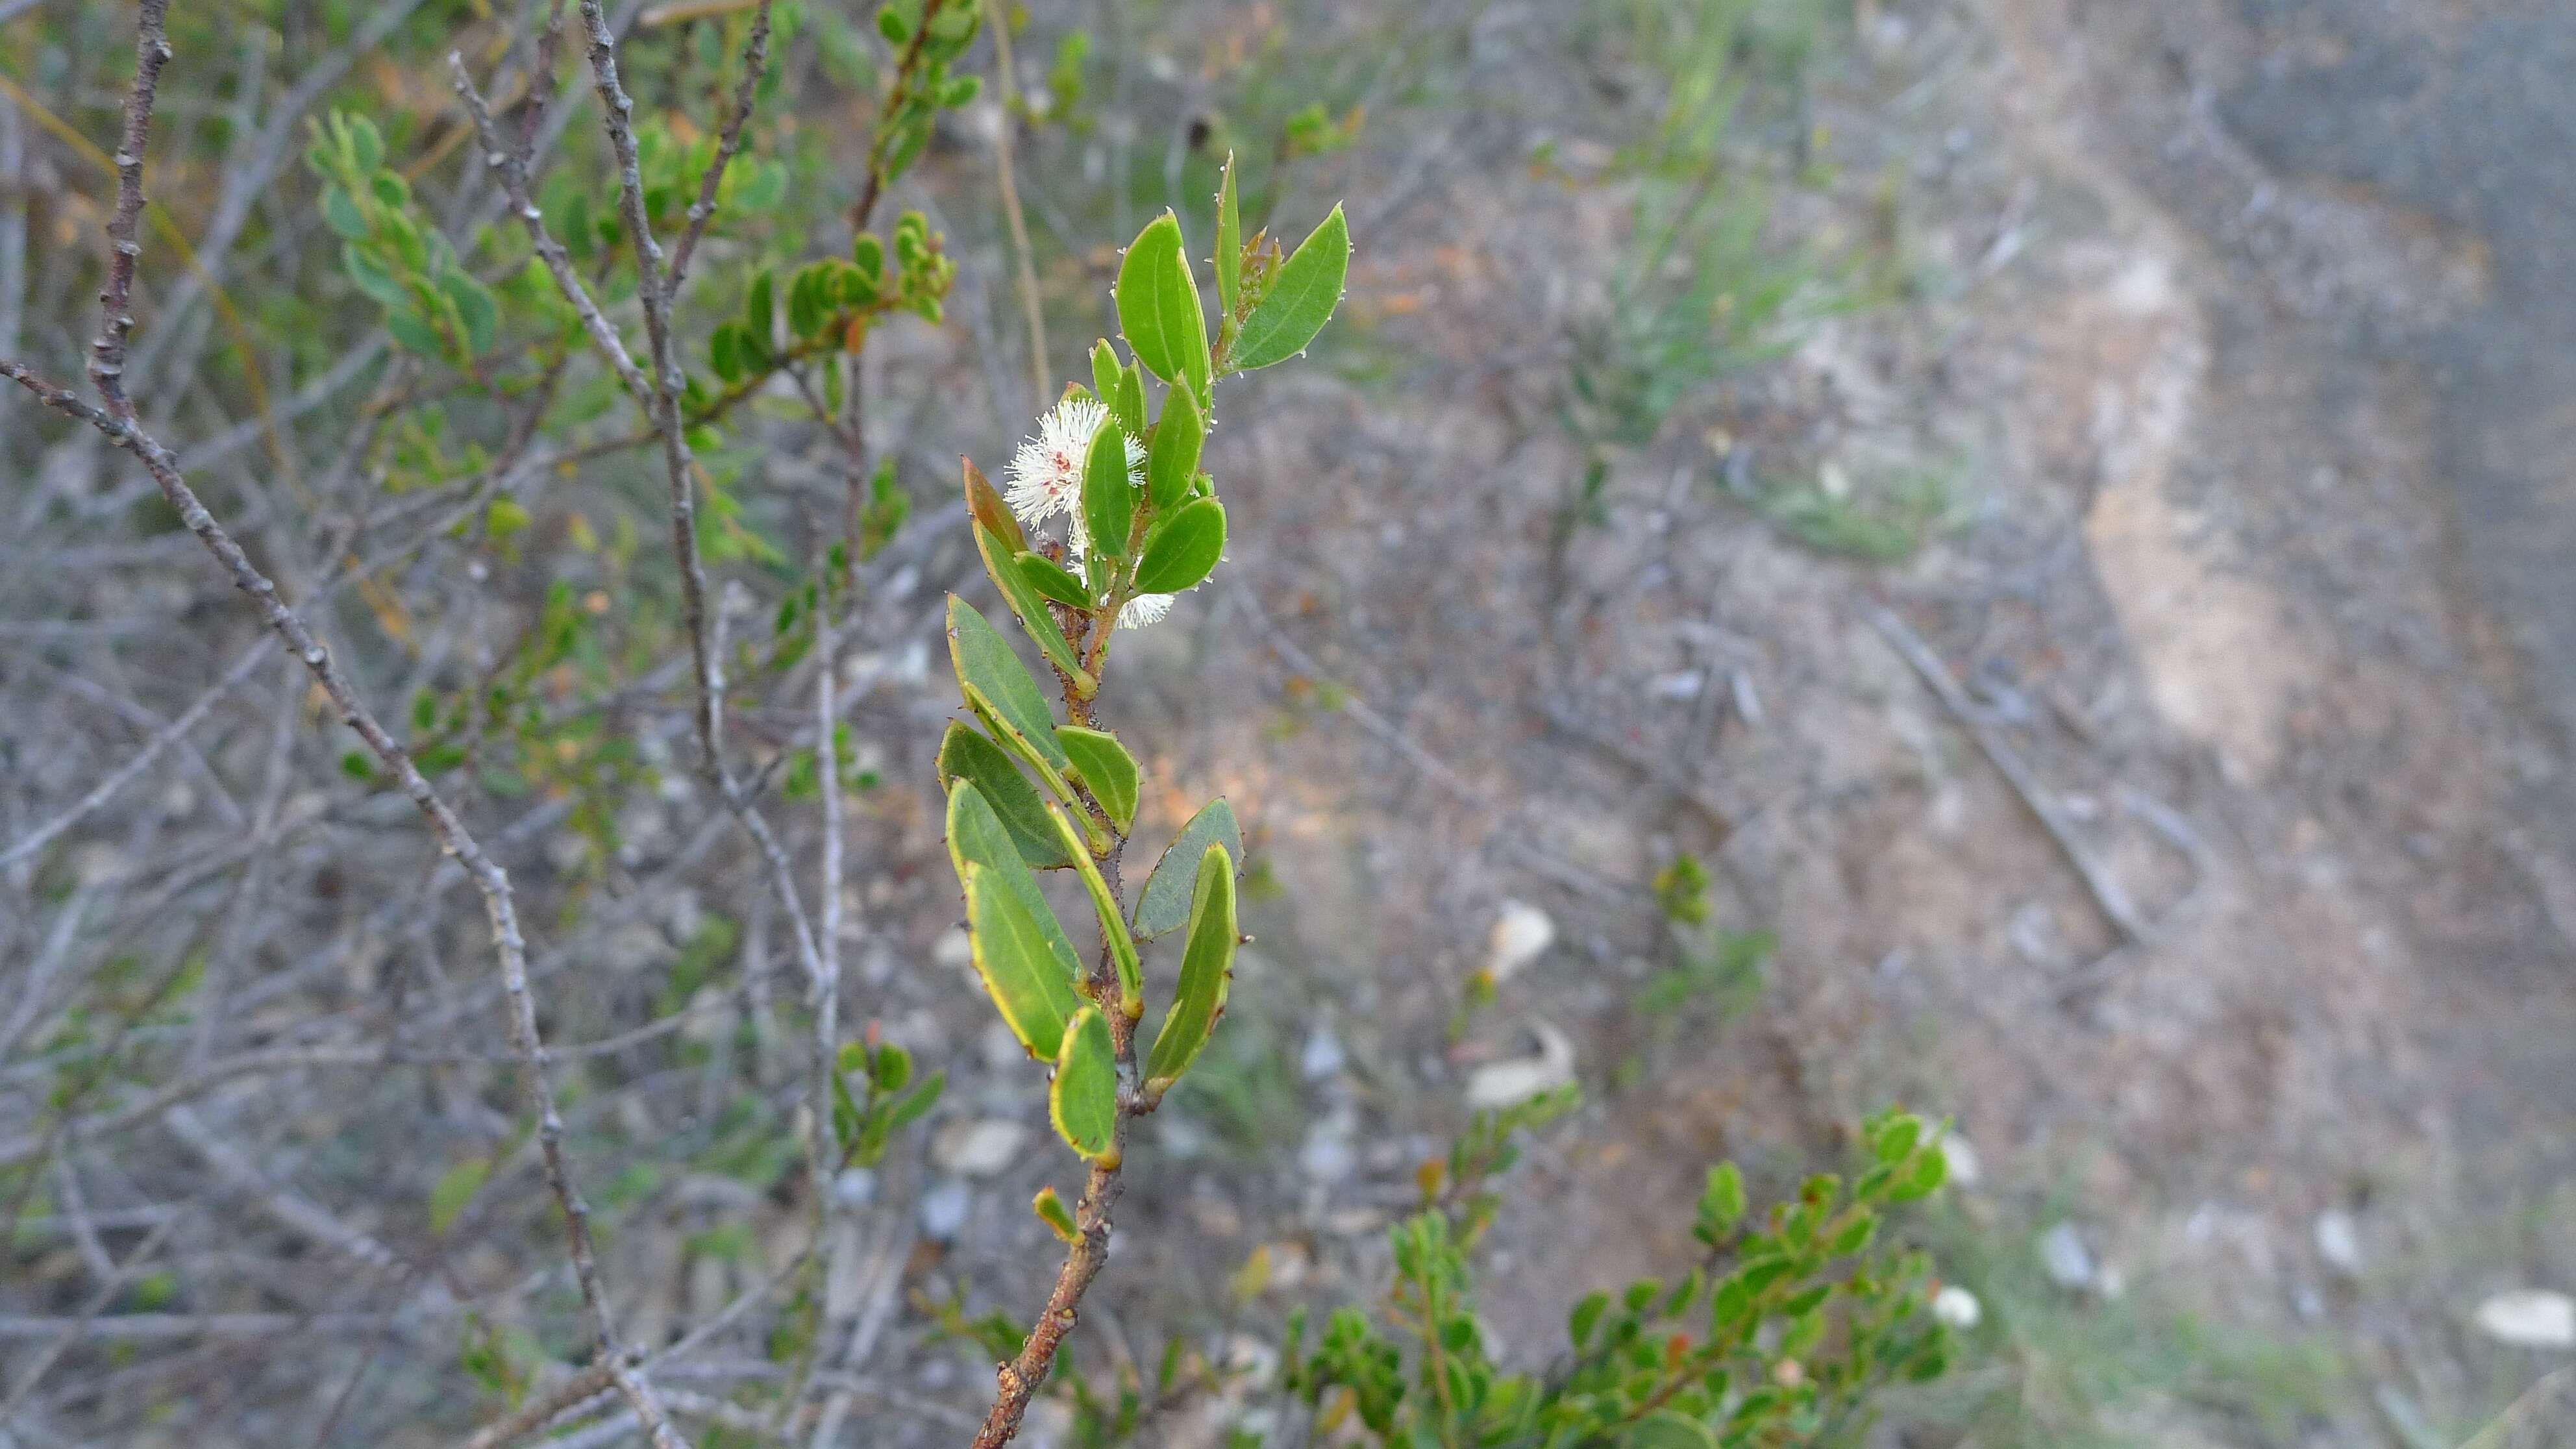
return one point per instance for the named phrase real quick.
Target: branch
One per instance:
(511, 165)
(1030, 308)
(118, 421)
(755, 60)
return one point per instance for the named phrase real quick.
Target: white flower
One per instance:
(1144, 609)
(1045, 479)
(1045, 476)
(1957, 1307)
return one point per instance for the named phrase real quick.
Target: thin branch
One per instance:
(511, 165)
(1030, 308)
(119, 423)
(755, 62)
(617, 111)
(116, 303)
(2107, 893)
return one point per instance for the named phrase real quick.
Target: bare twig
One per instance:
(755, 61)
(118, 421)
(2108, 895)
(511, 165)
(1030, 308)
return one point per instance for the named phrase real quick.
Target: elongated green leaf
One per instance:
(1104, 373)
(1019, 967)
(912, 1106)
(1173, 457)
(1084, 1097)
(1001, 565)
(1300, 301)
(1129, 406)
(1165, 903)
(985, 663)
(1207, 969)
(1017, 744)
(1229, 256)
(1183, 549)
(1158, 307)
(1105, 769)
(977, 840)
(967, 756)
(1113, 923)
(1054, 580)
(1108, 495)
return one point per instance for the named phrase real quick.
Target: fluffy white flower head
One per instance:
(1045, 479)
(1045, 476)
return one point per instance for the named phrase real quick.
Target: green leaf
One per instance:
(474, 304)
(868, 255)
(1083, 1100)
(985, 663)
(1158, 306)
(413, 331)
(1165, 903)
(366, 144)
(1896, 1138)
(1579, 1325)
(849, 1124)
(892, 25)
(1207, 968)
(1108, 492)
(1229, 256)
(453, 1190)
(1105, 372)
(1000, 564)
(912, 1106)
(373, 279)
(968, 756)
(343, 214)
(1667, 1429)
(1931, 1169)
(977, 838)
(1172, 459)
(1013, 954)
(1104, 904)
(1855, 1234)
(1054, 580)
(1050, 1208)
(724, 351)
(1183, 549)
(760, 307)
(1105, 769)
(1128, 407)
(1722, 1202)
(1300, 301)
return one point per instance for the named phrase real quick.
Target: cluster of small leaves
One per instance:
(594, 233)
(1712, 968)
(886, 1102)
(1159, 535)
(432, 305)
(929, 36)
(829, 306)
(1778, 1337)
